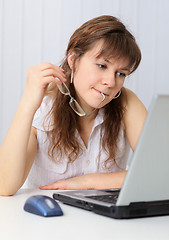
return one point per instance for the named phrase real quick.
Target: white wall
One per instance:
(33, 31)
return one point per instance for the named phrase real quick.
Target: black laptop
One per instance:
(145, 192)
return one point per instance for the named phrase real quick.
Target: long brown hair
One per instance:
(118, 42)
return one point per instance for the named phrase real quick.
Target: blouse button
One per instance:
(87, 162)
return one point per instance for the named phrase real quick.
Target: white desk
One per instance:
(76, 223)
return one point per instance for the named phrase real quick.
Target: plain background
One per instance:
(35, 31)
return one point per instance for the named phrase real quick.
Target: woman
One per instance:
(74, 122)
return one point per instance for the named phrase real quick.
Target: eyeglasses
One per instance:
(73, 103)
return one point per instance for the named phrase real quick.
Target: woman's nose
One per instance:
(109, 80)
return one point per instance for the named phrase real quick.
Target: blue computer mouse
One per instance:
(43, 206)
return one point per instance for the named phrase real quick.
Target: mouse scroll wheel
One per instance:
(49, 203)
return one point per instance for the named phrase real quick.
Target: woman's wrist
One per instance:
(104, 180)
(27, 107)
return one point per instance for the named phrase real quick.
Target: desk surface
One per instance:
(76, 223)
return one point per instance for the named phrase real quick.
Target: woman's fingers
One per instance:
(59, 75)
(51, 70)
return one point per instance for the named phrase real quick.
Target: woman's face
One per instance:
(94, 76)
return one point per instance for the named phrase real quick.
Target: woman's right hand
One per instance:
(38, 79)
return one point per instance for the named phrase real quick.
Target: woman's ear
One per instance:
(71, 59)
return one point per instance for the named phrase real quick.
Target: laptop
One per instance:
(145, 191)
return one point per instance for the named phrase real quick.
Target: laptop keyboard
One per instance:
(106, 198)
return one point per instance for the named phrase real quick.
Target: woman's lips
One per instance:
(100, 91)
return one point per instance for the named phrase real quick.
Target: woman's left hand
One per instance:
(75, 183)
(89, 181)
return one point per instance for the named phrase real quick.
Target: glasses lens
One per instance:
(76, 107)
(63, 89)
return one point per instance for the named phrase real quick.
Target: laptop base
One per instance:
(134, 210)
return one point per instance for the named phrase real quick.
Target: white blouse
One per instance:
(45, 171)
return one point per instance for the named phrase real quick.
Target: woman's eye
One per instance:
(120, 74)
(101, 66)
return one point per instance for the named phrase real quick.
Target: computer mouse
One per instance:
(43, 205)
